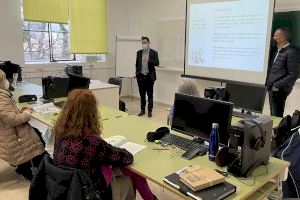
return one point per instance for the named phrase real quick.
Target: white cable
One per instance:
(289, 170)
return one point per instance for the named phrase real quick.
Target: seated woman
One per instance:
(187, 87)
(20, 145)
(78, 144)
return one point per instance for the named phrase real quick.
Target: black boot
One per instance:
(141, 113)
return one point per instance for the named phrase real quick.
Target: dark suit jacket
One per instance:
(153, 61)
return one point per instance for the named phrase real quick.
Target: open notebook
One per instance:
(122, 142)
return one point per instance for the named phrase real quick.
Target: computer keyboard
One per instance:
(244, 115)
(183, 143)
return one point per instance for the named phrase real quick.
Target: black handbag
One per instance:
(27, 98)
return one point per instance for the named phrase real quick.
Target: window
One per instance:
(44, 42)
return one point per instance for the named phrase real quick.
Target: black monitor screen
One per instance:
(73, 70)
(195, 115)
(55, 87)
(246, 96)
(78, 82)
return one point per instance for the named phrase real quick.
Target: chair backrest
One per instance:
(283, 131)
(116, 81)
(60, 182)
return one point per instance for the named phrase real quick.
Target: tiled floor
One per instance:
(15, 187)
(160, 111)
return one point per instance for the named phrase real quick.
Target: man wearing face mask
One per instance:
(282, 72)
(146, 60)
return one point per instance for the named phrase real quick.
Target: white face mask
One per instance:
(145, 46)
(6, 84)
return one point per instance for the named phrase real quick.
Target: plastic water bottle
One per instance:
(213, 142)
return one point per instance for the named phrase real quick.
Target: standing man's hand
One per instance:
(275, 89)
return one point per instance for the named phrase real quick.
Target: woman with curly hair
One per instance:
(78, 144)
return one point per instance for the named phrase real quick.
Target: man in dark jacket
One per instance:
(146, 60)
(282, 72)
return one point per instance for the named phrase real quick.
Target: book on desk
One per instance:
(122, 142)
(216, 192)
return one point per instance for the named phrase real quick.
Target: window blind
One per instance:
(54, 11)
(88, 26)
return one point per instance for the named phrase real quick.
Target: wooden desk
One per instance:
(106, 113)
(155, 165)
(106, 94)
(49, 119)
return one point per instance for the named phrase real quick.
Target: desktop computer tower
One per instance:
(251, 138)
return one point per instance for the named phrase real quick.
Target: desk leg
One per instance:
(131, 85)
(276, 193)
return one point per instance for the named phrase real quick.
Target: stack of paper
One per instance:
(45, 108)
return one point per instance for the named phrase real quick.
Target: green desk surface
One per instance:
(27, 88)
(49, 119)
(155, 164)
(106, 113)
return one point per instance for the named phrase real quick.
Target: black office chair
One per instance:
(61, 182)
(118, 81)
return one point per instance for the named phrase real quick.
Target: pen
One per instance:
(160, 149)
(221, 172)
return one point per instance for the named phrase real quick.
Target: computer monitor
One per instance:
(246, 96)
(73, 70)
(55, 87)
(194, 116)
(78, 82)
(9, 69)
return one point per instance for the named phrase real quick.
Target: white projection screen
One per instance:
(228, 39)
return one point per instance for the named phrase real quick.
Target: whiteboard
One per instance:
(171, 40)
(126, 48)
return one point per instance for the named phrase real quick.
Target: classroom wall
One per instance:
(287, 5)
(143, 19)
(11, 37)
